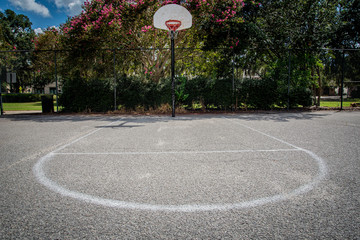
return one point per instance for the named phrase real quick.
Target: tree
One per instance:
(17, 35)
(303, 26)
(348, 31)
(347, 36)
(128, 25)
(46, 45)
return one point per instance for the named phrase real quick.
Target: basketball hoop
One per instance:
(173, 25)
(172, 17)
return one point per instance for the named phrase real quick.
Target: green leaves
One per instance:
(16, 30)
(16, 34)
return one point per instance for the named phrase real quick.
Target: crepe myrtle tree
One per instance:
(124, 24)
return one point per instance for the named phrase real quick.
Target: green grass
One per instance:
(336, 104)
(333, 104)
(27, 106)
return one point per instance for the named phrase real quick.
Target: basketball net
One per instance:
(173, 25)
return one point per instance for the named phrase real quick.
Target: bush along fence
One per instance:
(139, 79)
(23, 97)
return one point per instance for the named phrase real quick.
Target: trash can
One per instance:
(47, 103)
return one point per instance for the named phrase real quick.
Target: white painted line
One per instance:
(43, 179)
(85, 136)
(175, 152)
(320, 162)
(267, 135)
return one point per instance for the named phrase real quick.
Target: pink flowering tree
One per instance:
(128, 24)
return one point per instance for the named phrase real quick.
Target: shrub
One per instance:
(80, 94)
(355, 93)
(300, 96)
(220, 94)
(197, 89)
(209, 92)
(297, 96)
(133, 92)
(21, 97)
(258, 93)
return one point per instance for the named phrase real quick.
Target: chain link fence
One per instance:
(218, 79)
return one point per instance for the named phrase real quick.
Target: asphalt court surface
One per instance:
(184, 166)
(236, 168)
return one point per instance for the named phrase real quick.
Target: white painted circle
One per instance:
(52, 185)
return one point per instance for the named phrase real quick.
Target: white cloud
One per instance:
(56, 27)
(71, 6)
(38, 31)
(41, 30)
(31, 5)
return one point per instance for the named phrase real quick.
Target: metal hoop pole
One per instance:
(342, 80)
(172, 34)
(115, 84)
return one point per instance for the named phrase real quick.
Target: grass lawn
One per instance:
(346, 103)
(27, 106)
(334, 104)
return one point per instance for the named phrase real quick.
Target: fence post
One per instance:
(342, 79)
(56, 83)
(233, 83)
(1, 103)
(115, 85)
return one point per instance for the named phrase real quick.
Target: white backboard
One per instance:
(172, 12)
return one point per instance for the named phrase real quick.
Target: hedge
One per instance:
(22, 97)
(94, 95)
(86, 95)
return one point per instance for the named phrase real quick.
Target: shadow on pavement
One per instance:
(247, 116)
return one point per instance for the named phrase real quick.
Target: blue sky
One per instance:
(44, 13)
